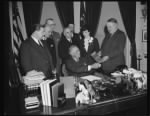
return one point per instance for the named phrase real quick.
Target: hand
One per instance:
(105, 58)
(99, 53)
(93, 53)
(95, 66)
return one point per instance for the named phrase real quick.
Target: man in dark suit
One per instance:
(79, 66)
(75, 36)
(52, 39)
(112, 49)
(34, 54)
(63, 47)
(64, 44)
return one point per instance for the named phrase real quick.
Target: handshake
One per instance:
(95, 66)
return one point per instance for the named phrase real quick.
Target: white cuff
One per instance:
(89, 67)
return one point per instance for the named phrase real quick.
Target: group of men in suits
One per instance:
(46, 50)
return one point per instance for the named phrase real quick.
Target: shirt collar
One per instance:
(35, 40)
(70, 40)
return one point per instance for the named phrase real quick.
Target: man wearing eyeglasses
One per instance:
(52, 39)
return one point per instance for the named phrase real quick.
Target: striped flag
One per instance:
(82, 14)
(18, 30)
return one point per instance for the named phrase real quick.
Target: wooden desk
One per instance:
(103, 107)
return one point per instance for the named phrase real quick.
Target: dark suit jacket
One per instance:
(63, 48)
(78, 68)
(94, 46)
(35, 57)
(114, 48)
(52, 43)
(76, 39)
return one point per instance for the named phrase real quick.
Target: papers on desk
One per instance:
(91, 77)
(33, 77)
(31, 102)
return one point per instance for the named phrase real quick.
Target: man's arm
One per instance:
(80, 68)
(76, 67)
(25, 57)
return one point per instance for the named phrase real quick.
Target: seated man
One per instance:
(79, 66)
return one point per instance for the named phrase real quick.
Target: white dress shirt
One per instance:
(37, 41)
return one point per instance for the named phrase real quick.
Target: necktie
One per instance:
(40, 43)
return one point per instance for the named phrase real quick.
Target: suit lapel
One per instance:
(38, 48)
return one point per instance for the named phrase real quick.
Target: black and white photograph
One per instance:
(75, 58)
(144, 35)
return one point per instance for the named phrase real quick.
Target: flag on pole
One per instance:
(18, 30)
(82, 14)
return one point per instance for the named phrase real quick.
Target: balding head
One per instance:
(50, 22)
(71, 26)
(112, 25)
(67, 33)
(48, 30)
(74, 52)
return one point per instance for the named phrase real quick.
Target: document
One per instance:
(91, 77)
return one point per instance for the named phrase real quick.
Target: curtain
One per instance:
(93, 10)
(83, 18)
(32, 14)
(65, 12)
(128, 13)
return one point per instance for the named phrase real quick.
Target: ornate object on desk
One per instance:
(132, 79)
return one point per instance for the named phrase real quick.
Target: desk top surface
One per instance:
(70, 106)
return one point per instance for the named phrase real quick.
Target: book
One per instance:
(48, 91)
(43, 91)
(57, 91)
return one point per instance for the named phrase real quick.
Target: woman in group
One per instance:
(89, 45)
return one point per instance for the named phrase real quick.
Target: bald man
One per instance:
(79, 66)
(52, 39)
(75, 36)
(113, 45)
(64, 44)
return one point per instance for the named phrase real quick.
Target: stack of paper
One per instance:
(31, 102)
(46, 91)
(91, 77)
(33, 77)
